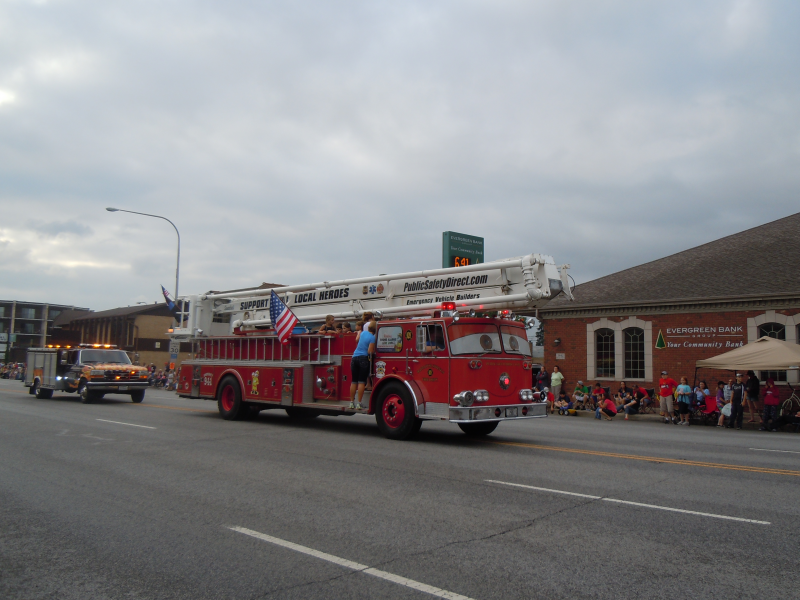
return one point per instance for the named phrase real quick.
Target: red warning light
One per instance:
(448, 305)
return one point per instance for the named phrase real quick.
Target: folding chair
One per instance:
(709, 411)
(646, 408)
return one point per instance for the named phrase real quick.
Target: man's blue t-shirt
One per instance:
(364, 341)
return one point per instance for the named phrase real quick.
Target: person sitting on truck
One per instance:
(360, 365)
(436, 341)
(329, 326)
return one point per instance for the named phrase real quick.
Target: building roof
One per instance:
(757, 262)
(159, 309)
(70, 314)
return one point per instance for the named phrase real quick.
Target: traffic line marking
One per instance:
(129, 424)
(349, 564)
(628, 502)
(671, 461)
(768, 450)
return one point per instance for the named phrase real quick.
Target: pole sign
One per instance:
(461, 250)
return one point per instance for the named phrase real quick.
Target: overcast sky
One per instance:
(304, 141)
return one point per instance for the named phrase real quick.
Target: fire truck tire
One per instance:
(137, 396)
(302, 413)
(86, 395)
(230, 403)
(394, 413)
(478, 429)
(43, 393)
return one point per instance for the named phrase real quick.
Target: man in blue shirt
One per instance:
(359, 366)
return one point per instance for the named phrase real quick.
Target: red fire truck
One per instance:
(448, 347)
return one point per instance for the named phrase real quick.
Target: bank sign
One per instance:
(721, 337)
(461, 250)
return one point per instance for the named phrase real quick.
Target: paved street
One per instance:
(167, 500)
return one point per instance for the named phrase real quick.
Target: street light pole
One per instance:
(178, 265)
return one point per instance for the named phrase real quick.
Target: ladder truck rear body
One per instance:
(448, 347)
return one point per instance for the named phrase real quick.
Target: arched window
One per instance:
(777, 331)
(604, 350)
(634, 353)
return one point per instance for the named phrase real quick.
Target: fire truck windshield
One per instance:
(478, 338)
(514, 340)
(104, 356)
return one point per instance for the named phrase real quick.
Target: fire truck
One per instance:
(90, 370)
(449, 347)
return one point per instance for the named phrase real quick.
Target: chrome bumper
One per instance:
(508, 412)
(123, 386)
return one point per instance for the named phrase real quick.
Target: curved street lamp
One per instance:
(178, 265)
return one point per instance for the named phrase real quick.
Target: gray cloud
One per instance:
(303, 142)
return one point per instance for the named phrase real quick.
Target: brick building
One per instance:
(26, 324)
(669, 313)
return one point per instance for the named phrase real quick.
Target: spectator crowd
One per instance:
(676, 402)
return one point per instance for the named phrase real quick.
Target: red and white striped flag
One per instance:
(283, 319)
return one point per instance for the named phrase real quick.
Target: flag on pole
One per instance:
(170, 303)
(173, 308)
(283, 319)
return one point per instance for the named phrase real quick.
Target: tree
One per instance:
(540, 334)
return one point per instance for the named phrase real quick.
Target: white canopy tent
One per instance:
(765, 354)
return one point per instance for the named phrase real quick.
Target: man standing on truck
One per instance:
(360, 365)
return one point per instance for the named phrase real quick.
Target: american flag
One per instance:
(283, 319)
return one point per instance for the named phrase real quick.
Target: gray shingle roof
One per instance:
(764, 260)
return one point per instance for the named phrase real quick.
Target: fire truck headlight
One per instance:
(481, 396)
(526, 395)
(465, 398)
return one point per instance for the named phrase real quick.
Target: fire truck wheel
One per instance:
(43, 393)
(302, 413)
(230, 403)
(137, 396)
(85, 394)
(394, 412)
(477, 429)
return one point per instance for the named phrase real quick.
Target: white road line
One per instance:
(767, 450)
(121, 423)
(349, 564)
(616, 501)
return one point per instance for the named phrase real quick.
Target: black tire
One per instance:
(478, 429)
(302, 413)
(32, 390)
(43, 393)
(394, 412)
(137, 396)
(229, 400)
(84, 393)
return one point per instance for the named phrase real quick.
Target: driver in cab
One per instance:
(435, 341)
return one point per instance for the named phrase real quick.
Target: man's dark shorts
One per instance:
(683, 408)
(752, 399)
(359, 369)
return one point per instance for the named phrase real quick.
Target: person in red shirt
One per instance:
(666, 387)
(771, 402)
(605, 408)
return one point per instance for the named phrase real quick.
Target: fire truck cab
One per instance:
(448, 348)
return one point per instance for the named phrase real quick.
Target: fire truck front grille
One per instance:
(115, 375)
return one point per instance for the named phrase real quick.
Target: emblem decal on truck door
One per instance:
(380, 369)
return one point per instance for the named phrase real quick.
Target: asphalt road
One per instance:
(167, 500)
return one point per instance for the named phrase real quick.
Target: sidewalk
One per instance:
(656, 418)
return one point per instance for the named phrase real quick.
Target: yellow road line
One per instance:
(672, 461)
